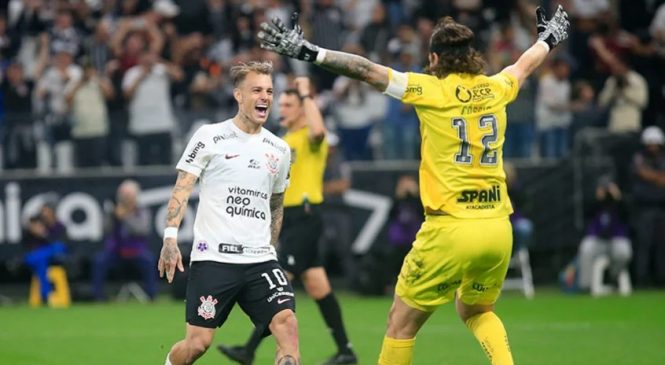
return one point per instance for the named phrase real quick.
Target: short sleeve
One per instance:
(415, 88)
(282, 179)
(509, 84)
(196, 156)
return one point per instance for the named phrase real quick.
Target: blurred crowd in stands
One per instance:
(123, 83)
(89, 83)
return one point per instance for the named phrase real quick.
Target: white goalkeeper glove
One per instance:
(288, 42)
(555, 30)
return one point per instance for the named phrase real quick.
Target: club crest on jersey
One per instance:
(207, 307)
(272, 163)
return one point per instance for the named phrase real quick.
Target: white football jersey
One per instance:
(238, 172)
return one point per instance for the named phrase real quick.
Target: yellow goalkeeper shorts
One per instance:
(449, 254)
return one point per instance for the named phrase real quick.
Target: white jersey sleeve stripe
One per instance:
(397, 85)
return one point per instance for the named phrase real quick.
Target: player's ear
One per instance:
(433, 59)
(237, 95)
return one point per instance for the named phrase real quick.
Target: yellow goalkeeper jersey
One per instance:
(462, 125)
(308, 163)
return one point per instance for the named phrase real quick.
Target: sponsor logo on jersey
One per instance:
(272, 163)
(207, 307)
(228, 157)
(283, 300)
(482, 92)
(233, 249)
(462, 94)
(192, 155)
(224, 136)
(414, 89)
(269, 141)
(490, 195)
(202, 246)
(477, 93)
(239, 203)
(253, 164)
(474, 109)
(230, 248)
(280, 294)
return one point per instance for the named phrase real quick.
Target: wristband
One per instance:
(544, 44)
(171, 232)
(303, 97)
(320, 56)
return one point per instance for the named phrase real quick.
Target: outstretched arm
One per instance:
(290, 42)
(355, 67)
(550, 34)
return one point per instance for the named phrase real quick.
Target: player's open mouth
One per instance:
(261, 110)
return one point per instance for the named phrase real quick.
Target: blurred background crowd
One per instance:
(121, 84)
(89, 83)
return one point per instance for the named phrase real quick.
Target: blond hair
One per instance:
(240, 71)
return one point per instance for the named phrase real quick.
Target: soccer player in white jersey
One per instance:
(243, 171)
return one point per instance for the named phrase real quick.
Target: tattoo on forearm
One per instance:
(179, 198)
(350, 65)
(347, 64)
(287, 360)
(276, 216)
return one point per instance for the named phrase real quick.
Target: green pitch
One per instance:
(552, 329)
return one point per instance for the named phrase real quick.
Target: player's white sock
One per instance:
(168, 361)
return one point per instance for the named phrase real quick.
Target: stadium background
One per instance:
(42, 149)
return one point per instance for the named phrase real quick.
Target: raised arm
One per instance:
(550, 34)
(290, 42)
(317, 129)
(170, 256)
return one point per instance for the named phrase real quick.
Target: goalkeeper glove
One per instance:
(555, 30)
(288, 42)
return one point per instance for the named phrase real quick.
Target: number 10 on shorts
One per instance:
(279, 275)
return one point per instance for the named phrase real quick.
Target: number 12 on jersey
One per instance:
(489, 156)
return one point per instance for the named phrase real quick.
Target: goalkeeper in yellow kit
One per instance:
(462, 250)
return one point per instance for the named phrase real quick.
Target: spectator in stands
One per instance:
(44, 241)
(586, 112)
(329, 31)
(649, 202)
(19, 145)
(51, 90)
(625, 95)
(98, 46)
(553, 116)
(151, 119)
(126, 241)
(63, 36)
(89, 116)
(374, 37)
(606, 233)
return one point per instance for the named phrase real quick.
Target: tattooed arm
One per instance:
(170, 256)
(290, 42)
(276, 216)
(356, 67)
